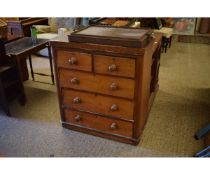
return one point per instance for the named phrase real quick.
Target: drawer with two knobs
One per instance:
(91, 102)
(113, 86)
(98, 123)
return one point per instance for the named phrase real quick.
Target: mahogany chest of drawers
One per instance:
(107, 80)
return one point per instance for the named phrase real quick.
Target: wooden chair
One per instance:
(10, 82)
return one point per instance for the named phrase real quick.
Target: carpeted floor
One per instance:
(181, 107)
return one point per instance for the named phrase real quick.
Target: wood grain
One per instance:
(100, 104)
(99, 123)
(97, 83)
(124, 66)
(83, 60)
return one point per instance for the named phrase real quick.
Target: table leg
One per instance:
(31, 67)
(22, 97)
(163, 43)
(51, 65)
(170, 39)
(4, 101)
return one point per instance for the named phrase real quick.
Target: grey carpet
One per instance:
(180, 109)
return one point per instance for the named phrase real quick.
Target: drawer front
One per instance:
(119, 87)
(114, 65)
(74, 60)
(98, 104)
(112, 126)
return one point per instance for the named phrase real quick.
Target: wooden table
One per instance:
(22, 48)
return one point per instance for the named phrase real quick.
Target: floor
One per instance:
(181, 107)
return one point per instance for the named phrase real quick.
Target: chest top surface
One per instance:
(127, 37)
(113, 32)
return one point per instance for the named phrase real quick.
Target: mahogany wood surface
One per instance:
(119, 108)
(143, 82)
(134, 73)
(74, 60)
(99, 123)
(97, 83)
(123, 66)
(99, 133)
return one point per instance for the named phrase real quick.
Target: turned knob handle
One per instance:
(72, 60)
(114, 86)
(77, 117)
(74, 80)
(114, 107)
(113, 126)
(112, 68)
(77, 100)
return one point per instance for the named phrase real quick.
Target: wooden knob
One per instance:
(77, 117)
(74, 80)
(113, 126)
(77, 100)
(72, 60)
(112, 68)
(114, 107)
(114, 86)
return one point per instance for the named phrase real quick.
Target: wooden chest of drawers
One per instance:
(106, 89)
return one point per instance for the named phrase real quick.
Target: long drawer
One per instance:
(98, 104)
(112, 126)
(119, 87)
(118, 66)
(74, 60)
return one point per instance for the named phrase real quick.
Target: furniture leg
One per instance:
(51, 65)
(24, 69)
(31, 67)
(4, 102)
(163, 44)
(22, 98)
(167, 41)
(170, 39)
(165, 47)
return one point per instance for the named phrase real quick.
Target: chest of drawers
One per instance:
(106, 89)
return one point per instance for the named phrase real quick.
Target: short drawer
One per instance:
(114, 66)
(74, 60)
(108, 125)
(99, 104)
(114, 86)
